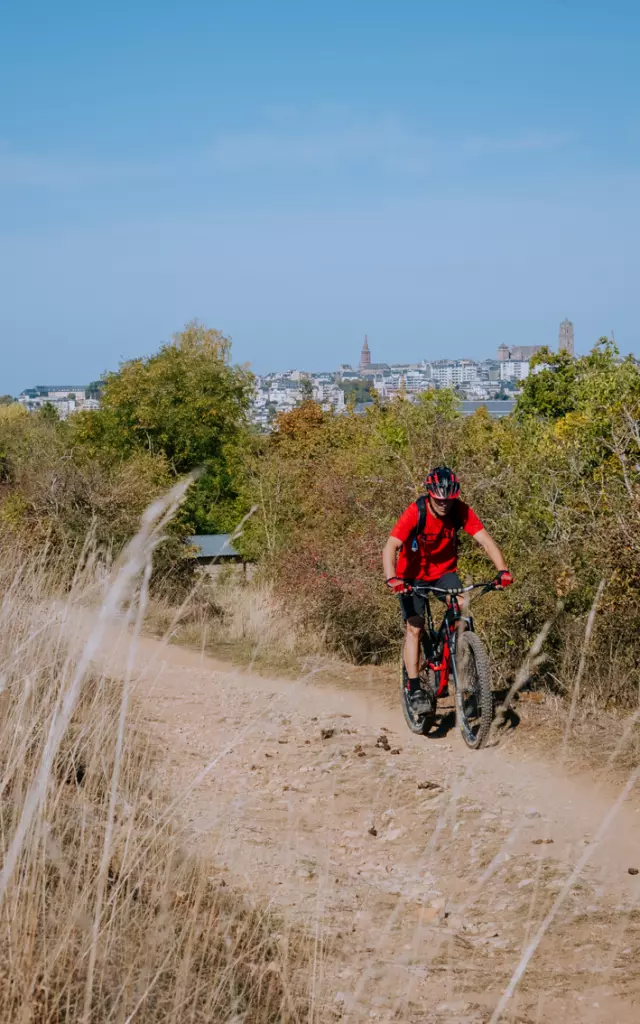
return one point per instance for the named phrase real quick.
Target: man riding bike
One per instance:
(424, 540)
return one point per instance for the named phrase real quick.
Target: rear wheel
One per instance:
(474, 699)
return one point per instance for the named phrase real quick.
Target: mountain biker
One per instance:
(431, 556)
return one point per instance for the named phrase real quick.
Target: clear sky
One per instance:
(444, 175)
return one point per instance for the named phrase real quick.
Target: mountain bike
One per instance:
(456, 651)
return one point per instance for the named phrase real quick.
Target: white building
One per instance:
(328, 395)
(514, 369)
(451, 374)
(65, 398)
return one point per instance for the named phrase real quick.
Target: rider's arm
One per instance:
(399, 534)
(389, 555)
(488, 544)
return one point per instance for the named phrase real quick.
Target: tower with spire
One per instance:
(365, 355)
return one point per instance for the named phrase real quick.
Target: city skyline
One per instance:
(519, 353)
(497, 377)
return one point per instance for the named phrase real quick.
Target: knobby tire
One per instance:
(475, 699)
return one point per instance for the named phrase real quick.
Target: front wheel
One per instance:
(474, 699)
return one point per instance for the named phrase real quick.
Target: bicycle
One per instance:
(454, 650)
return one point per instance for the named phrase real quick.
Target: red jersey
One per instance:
(437, 547)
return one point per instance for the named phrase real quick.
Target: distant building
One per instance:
(453, 373)
(372, 369)
(514, 369)
(524, 352)
(565, 337)
(65, 398)
(518, 352)
(365, 355)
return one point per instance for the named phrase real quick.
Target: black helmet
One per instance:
(443, 483)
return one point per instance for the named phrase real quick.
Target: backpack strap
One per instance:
(421, 504)
(454, 515)
(422, 513)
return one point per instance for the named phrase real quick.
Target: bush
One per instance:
(55, 495)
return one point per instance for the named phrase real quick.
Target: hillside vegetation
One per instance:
(557, 483)
(181, 409)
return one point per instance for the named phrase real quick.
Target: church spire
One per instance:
(365, 355)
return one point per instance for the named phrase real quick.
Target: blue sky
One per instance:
(441, 176)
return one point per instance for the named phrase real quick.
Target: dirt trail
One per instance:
(424, 868)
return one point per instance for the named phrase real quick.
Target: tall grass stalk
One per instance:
(104, 917)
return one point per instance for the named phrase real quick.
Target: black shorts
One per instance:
(413, 605)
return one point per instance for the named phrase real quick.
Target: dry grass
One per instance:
(241, 621)
(104, 918)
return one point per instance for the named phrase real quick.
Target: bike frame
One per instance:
(443, 642)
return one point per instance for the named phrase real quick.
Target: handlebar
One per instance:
(424, 589)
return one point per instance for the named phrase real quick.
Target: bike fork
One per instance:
(457, 690)
(443, 669)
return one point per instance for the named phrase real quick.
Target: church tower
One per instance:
(365, 355)
(565, 337)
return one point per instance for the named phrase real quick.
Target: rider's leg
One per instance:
(421, 697)
(414, 628)
(413, 609)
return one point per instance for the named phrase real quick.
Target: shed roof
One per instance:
(213, 545)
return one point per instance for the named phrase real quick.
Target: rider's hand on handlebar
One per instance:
(503, 579)
(397, 585)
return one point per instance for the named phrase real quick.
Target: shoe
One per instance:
(421, 702)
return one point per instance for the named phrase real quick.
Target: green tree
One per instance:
(357, 390)
(186, 403)
(6, 400)
(94, 390)
(48, 413)
(549, 392)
